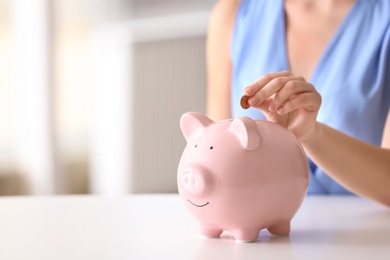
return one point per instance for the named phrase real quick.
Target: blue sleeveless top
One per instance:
(352, 76)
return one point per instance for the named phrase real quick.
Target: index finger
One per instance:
(254, 87)
(271, 86)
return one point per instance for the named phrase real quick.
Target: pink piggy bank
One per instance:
(241, 175)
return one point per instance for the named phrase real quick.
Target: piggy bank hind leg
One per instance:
(280, 229)
(210, 231)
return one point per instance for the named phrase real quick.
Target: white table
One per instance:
(160, 227)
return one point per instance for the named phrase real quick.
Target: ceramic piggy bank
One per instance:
(241, 176)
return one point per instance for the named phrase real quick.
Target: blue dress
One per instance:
(352, 75)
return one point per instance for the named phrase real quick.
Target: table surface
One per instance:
(160, 227)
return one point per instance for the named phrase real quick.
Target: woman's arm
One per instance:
(218, 59)
(294, 103)
(360, 167)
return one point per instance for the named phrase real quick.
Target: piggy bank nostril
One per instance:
(189, 178)
(192, 182)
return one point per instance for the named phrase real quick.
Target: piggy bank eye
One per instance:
(196, 145)
(211, 147)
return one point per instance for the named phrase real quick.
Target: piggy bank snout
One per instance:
(194, 182)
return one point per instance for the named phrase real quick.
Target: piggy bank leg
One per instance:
(280, 229)
(246, 235)
(210, 232)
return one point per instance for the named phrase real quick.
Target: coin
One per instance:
(244, 102)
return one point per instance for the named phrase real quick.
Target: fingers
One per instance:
(287, 100)
(293, 88)
(263, 80)
(279, 85)
(266, 86)
(311, 101)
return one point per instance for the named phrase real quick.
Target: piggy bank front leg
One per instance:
(246, 235)
(210, 231)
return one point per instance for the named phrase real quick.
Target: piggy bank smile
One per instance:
(199, 205)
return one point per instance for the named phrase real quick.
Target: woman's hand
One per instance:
(287, 100)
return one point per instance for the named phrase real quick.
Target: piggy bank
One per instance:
(241, 176)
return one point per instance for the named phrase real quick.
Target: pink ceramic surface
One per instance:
(241, 175)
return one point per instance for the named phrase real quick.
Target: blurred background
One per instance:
(91, 93)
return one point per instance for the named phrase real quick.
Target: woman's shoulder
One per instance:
(369, 20)
(254, 16)
(378, 9)
(255, 7)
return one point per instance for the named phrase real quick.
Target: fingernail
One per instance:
(248, 91)
(271, 108)
(253, 101)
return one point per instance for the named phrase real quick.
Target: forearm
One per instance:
(360, 167)
(218, 59)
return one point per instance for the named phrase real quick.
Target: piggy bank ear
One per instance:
(192, 124)
(247, 132)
